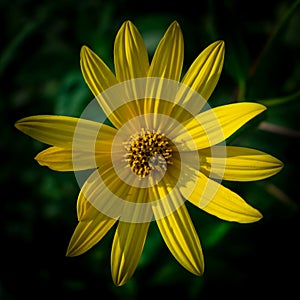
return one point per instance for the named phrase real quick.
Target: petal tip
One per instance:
(279, 164)
(39, 159)
(120, 279)
(262, 107)
(119, 283)
(259, 215)
(72, 250)
(175, 24)
(127, 22)
(17, 124)
(127, 25)
(199, 270)
(84, 50)
(219, 44)
(256, 216)
(70, 253)
(175, 28)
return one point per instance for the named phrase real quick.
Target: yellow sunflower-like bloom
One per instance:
(166, 146)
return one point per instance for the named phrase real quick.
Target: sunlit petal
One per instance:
(239, 164)
(168, 57)
(96, 73)
(215, 125)
(127, 248)
(60, 130)
(166, 63)
(204, 73)
(85, 210)
(179, 234)
(88, 233)
(218, 200)
(66, 159)
(100, 79)
(130, 53)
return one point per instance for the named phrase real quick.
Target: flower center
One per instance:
(148, 151)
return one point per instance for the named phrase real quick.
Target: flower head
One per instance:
(165, 146)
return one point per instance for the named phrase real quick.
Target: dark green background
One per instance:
(40, 74)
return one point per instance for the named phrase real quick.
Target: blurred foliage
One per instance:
(40, 74)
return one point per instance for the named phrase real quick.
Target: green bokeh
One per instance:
(40, 74)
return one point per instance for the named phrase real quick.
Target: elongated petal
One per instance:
(217, 200)
(104, 191)
(88, 155)
(52, 130)
(112, 196)
(215, 125)
(85, 210)
(100, 80)
(127, 248)
(130, 53)
(88, 233)
(96, 73)
(66, 159)
(168, 57)
(205, 71)
(240, 164)
(180, 235)
(166, 63)
(55, 158)
(95, 192)
(60, 130)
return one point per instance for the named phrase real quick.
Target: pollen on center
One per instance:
(148, 151)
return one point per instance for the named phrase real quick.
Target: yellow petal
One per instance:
(215, 125)
(60, 130)
(239, 164)
(179, 234)
(100, 196)
(115, 198)
(52, 130)
(205, 71)
(85, 210)
(127, 248)
(96, 73)
(130, 53)
(168, 57)
(217, 200)
(66, 159)
(166, 63)
(88, 233)
(100, 79)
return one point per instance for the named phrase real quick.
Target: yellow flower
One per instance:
(166, 146)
